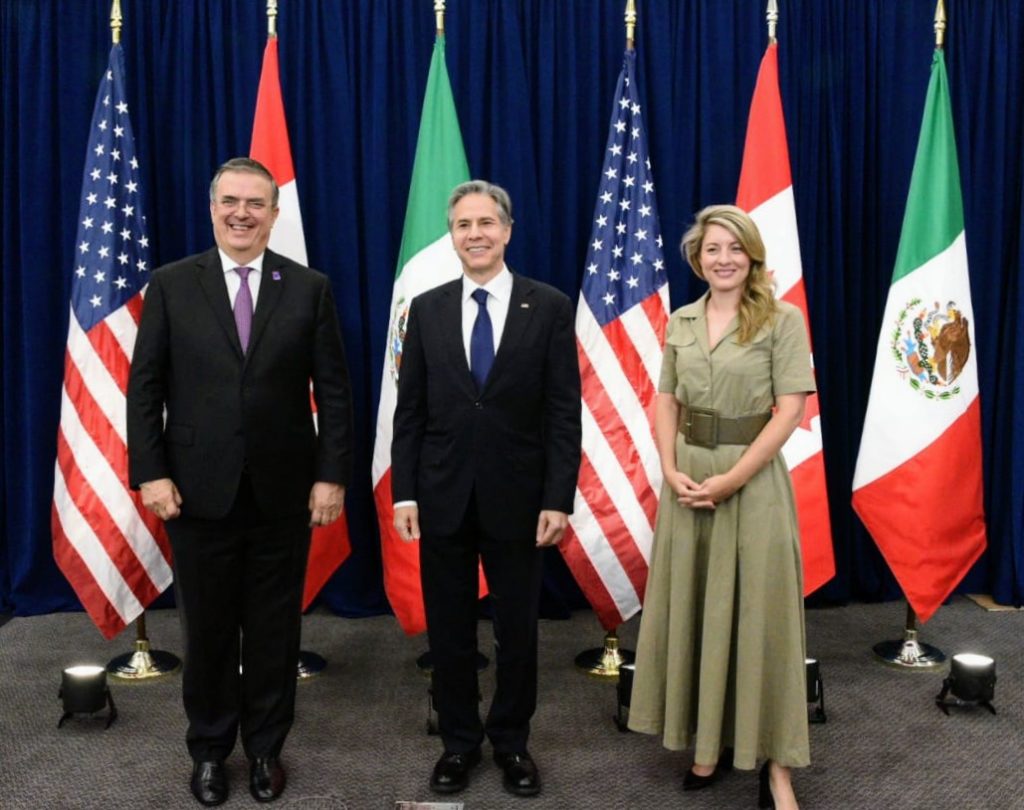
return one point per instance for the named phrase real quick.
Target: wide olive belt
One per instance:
(705, 428)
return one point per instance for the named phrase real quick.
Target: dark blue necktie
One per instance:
(481, 341)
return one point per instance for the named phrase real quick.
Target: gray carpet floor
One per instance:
(360, 739)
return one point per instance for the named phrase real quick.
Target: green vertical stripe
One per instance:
(440, 163)
(935, 212)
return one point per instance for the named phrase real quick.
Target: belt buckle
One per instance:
(702, 427)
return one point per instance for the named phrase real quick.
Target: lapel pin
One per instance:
(524, 305)
(276, 275)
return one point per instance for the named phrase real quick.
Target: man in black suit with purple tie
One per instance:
(485, 455)
(222, 445)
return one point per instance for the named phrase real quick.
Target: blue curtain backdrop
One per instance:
(533, 82)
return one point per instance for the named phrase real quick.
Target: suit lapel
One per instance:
(521, 307)
(271, 286)
(450, 328)
(211, 280)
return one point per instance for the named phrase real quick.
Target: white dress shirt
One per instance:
(499, 296)
(234, 281)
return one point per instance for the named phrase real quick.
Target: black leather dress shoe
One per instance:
(266, 778)
(209, 782)
(521, 775)
(451, 773)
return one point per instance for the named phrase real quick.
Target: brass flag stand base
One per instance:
(604, 662)
(909, 654)
(310, 665)
(143, 664)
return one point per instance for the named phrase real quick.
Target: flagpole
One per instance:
(142, 663)
(604, 662)
(772, 15)
(310, 664)
(425, 662)
(909, 653)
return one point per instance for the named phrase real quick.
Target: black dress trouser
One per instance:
(238, 583)
(449, 570)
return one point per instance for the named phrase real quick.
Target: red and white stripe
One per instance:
(766, 192)
(620, 472)
(112, 550)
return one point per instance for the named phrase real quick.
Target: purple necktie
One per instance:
(243, 308)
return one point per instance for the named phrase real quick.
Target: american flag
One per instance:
(620, 332)
(111, 549)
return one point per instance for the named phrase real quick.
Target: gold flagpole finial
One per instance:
(772, 15)
(271, 18)
(630, 23)
(940, 23)
(115, 21)
(439, 16)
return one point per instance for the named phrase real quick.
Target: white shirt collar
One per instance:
(228, 264)
(500, 286)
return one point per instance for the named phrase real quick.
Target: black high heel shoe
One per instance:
(693, 781)
(764, 789)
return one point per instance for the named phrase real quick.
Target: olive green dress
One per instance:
(720, 657)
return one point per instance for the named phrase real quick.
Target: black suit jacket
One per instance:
(227, 411)
(517, 442)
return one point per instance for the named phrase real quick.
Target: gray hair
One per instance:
(496, 193)
(244, 164)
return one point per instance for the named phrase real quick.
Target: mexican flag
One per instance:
(766, 193)
(270, 146)
(918, 482)
(425, 259)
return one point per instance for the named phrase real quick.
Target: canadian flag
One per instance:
(766, 193)
(330, 546)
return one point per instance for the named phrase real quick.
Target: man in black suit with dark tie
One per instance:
(485, 456)
(222, 445)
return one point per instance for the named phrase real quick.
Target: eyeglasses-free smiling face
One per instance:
(724, 263)
(242, 214)
(479, 236)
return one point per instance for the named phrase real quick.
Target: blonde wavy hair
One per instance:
(757, 304)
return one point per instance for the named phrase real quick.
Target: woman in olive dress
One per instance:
(720, 657)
